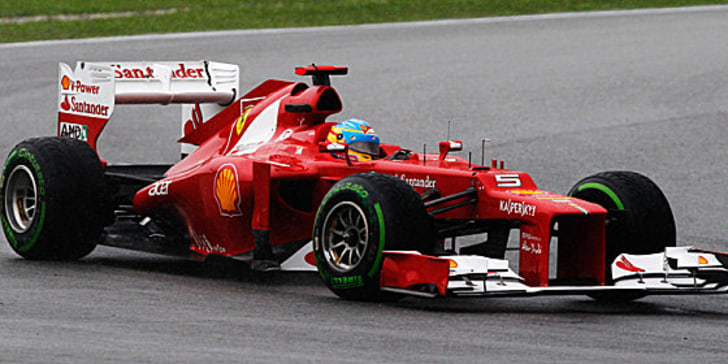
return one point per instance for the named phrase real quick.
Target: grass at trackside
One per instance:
(256, 14)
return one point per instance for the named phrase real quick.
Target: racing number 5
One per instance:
(508, 180)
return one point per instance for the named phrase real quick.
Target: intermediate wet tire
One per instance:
(55, 203)
(361, 216)
(639, 217)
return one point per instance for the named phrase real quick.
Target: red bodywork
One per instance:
(261, 164)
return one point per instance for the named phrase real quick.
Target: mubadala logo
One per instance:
(517, 208)
(74, 131)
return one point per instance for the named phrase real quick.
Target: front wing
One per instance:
(681, 270)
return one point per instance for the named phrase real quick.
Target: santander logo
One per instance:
(65, 105)
(83, 107)
(181, 71)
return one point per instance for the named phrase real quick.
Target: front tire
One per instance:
(54, 199)
(361, 216)
(639, 218)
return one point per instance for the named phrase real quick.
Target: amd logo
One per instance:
(74, 131)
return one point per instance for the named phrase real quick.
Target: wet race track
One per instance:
(561, 97)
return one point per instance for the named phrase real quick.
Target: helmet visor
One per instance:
(371, 148)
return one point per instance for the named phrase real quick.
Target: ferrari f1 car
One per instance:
(264, 181)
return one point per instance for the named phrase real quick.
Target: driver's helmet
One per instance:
(359, 135)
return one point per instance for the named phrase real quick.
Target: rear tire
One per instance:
(55, 203)
(361, 216)
(639, 218)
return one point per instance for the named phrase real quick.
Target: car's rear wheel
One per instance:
(54, 199)
(361, 216)
(639, 218)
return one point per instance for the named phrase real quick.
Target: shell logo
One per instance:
(65, 82)
(227, 191)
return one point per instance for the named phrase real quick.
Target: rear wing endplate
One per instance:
(87, 94)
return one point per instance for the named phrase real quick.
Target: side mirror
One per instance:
(332, 147)
(450, 146)
(335, 148)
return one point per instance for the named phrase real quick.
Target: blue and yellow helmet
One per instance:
(363, 142)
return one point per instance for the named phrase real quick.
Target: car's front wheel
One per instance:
(639, 218)
(361, 216)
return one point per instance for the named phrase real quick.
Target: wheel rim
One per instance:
(21, 196)
(345, 236)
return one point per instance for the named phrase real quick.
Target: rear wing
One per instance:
(88, 94)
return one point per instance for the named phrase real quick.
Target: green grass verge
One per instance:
(255, 14)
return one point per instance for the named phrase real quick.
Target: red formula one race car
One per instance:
(269, 181)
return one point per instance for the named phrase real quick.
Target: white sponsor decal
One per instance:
(517, 208)
(74, 131)
(533, 248)
(418, 182)
(70, 104)
(203, 243)
(160, 188)
(527, 236)
(77, 87)
(133, 71)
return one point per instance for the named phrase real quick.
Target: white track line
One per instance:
(75, 17)
(428, 23)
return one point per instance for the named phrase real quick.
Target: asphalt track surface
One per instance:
(561, 97)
